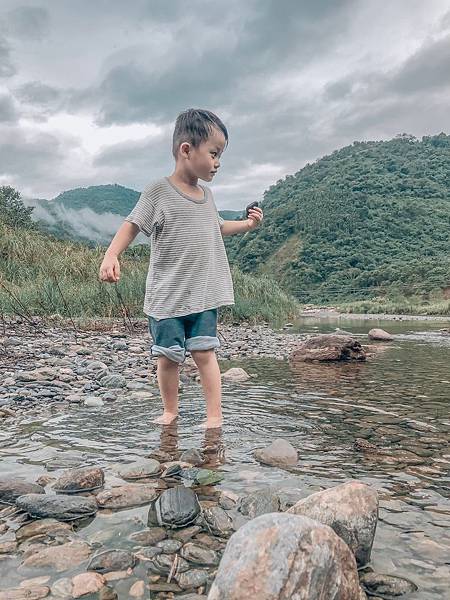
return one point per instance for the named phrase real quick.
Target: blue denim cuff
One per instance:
(202, 342)
(175, 353)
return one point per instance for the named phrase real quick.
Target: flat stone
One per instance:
(192, 579)
(41, 527)
(111, 560)
(93, 401)
(218, 520)
(127, 495)
(11, 489)
(169, 546)
(60, 558)
(31, 593)
(8, 547)
(80, 480)
(140, 469)
(198, 555)
(149, 537)
(259, 503)
(60, 506)
(176, 507)
(386, 585)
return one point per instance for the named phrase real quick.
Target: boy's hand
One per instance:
(255, 216)
(110, 269)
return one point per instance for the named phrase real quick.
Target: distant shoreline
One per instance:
(324, 313)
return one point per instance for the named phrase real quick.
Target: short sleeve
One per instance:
(146, 213)
(219, 218)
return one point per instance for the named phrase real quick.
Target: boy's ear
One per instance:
(185, 148)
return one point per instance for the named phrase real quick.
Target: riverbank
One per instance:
(337, 314)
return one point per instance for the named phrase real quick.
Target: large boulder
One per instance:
(350, 509)
(280, 557)
(380, 334)
(329, 347)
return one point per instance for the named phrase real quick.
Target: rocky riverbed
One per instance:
(88, 481)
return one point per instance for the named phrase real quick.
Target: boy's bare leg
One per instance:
(168, 376)
(208, 367)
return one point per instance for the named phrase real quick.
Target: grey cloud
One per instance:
(45, 99)
(7, 68)
(215, 65)
(28, 22)
(8, 112)
(427, 69)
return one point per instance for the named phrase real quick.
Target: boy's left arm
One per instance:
(255, 216)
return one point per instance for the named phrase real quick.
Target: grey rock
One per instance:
(162, 564)
(59, 506)
(93, 401)
(149, 537)
(280, 453)
(111, 560)
(380, 334)
(11, 489)
(177, 507)
(140, 469)
(193, 456)
(350, 509)
(192, 579)
(386, 586)
(259, 503)
(113, 381)
(199, 555)
(328, 347)
(169, 546)
(218, 520)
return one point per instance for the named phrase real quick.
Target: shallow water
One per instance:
(399, 401)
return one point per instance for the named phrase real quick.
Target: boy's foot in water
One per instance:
(165, 419)
(212, 423)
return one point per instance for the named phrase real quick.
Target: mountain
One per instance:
(92, 215)
(369, 218)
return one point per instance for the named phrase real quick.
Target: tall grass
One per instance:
(41, 276)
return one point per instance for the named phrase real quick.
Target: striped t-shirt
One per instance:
(188, 270)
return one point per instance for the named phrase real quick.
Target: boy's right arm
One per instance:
(110, 267)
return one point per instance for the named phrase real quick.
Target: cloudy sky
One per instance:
(89, 89)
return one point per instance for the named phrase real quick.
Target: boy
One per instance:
(189, 275)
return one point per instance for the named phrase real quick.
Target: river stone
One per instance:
(278, 556)
(351, 509)
(113, 381)
(149, 537)
(386, 586)
(60, 506)
(140, 469)
(193, 578)
(199, 555)
(280, 453)
(193, 456)
(11, 489)
(162, 564)
(259, 503)
(148, 553)
(329, 347)
(177, 507)
(87, 583)
(218, 520)
(8, 547)
(93, 401)
(25, 593)
(236, 374)
(41, 527)
(169, 546)
(60, 558)
(125, 496)
(112, 560)
(80, 480)
(380, 334)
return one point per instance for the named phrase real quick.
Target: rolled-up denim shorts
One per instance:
(175, 336)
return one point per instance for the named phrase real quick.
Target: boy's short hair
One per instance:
(194, 126)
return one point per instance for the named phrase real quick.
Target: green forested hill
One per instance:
(76, 214)
(371, 217)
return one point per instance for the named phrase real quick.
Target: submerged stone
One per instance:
(125, 496)
(112, 560)
(61, 557)
(59, 506)
(386, 586)
(140, 469)
(280, 453)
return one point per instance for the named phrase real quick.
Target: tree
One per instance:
(13, 211)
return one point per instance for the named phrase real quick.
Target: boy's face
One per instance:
(205, 159)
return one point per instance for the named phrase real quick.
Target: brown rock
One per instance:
(125, 496)
(25, 593)
(279, 556)
(380, 334)
(76, 480)
(41, 527)
(280, 453)
(87, 583)
(329, 347)
(60, 557)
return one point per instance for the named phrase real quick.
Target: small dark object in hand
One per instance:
(251, 205)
